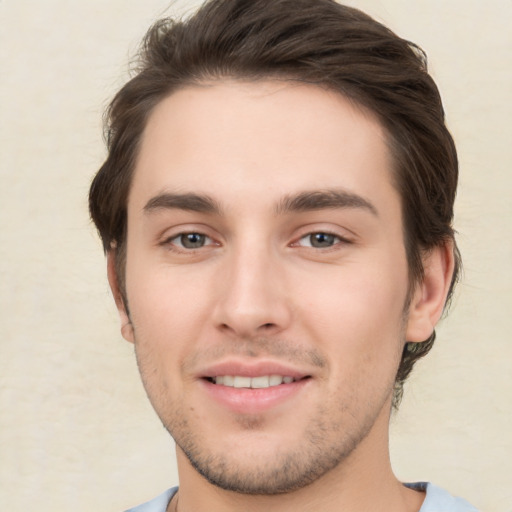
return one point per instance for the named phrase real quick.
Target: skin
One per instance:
(319, 289)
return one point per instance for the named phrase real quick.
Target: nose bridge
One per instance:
(254, 296)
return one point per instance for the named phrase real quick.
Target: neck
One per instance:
(364, 481)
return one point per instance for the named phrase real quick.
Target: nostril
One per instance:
(225, 327)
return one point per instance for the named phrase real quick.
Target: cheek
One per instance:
(358, 316)
(164, 299)
(350, 295)
(164, 315)
(168, 312)
(170, 308)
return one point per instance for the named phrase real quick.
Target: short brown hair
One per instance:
(313, 41)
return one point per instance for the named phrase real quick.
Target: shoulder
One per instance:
(158, 504)
(439, 500)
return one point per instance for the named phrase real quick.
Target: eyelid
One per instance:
(167, 238)
(344, 235)
(338, 240)
(180, 245)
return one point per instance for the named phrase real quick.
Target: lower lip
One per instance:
(254, 401)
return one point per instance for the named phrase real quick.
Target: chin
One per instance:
(270, 466)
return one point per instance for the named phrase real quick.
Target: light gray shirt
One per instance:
(436, 500)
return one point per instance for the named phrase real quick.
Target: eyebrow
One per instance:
(190, 202)
(305, 201)
(324, 199)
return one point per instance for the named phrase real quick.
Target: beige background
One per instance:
(76, 431)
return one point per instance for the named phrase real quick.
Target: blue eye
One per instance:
(190, 240)
(319, 240)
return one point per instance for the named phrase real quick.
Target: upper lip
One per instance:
(252, 369)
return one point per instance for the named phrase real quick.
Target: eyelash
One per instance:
(336, 240)
(171, 241)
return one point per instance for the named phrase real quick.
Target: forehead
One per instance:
(256, 140)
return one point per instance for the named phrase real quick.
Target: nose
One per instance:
(253, 299)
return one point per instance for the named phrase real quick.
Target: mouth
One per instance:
(259, 382)
(254, 387)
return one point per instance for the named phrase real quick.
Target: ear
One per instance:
(430, 293)
(126, 324)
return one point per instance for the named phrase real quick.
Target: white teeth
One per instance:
(275, 380)
(242, 382)
(261, 382)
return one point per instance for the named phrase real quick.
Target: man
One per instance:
(276, 210)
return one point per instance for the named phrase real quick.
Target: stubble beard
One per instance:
(283, 472)
(331, 435)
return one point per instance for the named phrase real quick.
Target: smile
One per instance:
(260, 382)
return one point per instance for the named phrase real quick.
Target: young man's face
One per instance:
(265, 249)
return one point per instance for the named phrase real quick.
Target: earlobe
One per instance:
(430, 294)
(126, 324)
